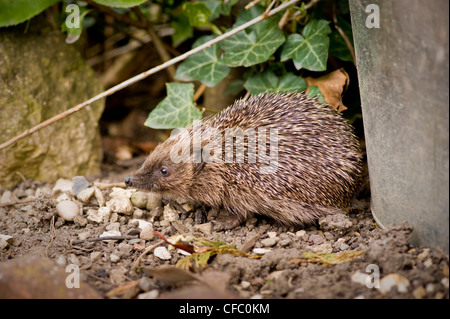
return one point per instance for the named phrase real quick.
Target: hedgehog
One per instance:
(282, 155)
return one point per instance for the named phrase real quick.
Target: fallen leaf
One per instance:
(171, 275)
(126, 291)
(332, 86)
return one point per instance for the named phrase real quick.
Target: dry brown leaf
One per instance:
(332, 86)
(126, 291)
(171, 275)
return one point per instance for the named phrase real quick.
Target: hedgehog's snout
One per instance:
(129, 180)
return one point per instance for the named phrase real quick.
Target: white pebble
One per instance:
(99, 196)
(272, 234)
(121, 205)
(359, 277)
(170, 214)
(62, 186)
(67, 210)
(152, 294)
(260, 251)
(394, 280)
(245, 284)
(162, 253)
(99, 216)
(147, 232)
(114, 258)
(86, 194)
(110, 233)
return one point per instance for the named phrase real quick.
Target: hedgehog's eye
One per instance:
(164, 171)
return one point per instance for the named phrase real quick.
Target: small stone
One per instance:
(9, 239)
(3, 244)
(99, 216)
(95, 255)
(187, 207)
(121, 205)
(424, 254)
(317, 239)
(419, 293)
(99, 197)
(444, 282)
(427, 263)
(164, 223)
(114, 258)
(302, 234)
(8, 197)
(269, 242)
(146, 284)
(138, 213)
(335, 222)
(260, 251)
(80, 220)
(147, 233)
(343, 246)
(272, 234)
(153, 200)
(62, 186)
(323, 248)
(113, 226)
(162, 253)
(61, 260)
(359, 277)
(84, 235)
(139, 199)
(62, 197)
(205, 228)
(86, 194)
(117, 276)
(125, 249)
(152, 294)
(170, 214)
(79, 184)
(394, 280)
(429, 288)
(110, 233)
(156, 212)
(67, 210)
(118, 192)
(245, 284)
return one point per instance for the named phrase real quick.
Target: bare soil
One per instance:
(283, 271)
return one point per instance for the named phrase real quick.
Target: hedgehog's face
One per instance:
(160, 174)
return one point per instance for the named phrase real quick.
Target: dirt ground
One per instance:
(342, 256)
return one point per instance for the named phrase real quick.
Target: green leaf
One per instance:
(197, 12)
(183, 29)
(255, 44)
(268, 81)
(315, 92)
(291, 82)
(309, 51)
(120, 3)
(177, 110)
(204, 66)
(13, 12)
(261, 82)
(219, 7)
(338, 47)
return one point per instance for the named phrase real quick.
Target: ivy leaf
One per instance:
(268, 81)
(204, 66)
(18, 11)
(338, 47)
(255, 44)
(314, 91)
(291, 82)
(120, 3)
(197, 12)
(177, 110)
(219, 7)
(183, 30)
(310, 50)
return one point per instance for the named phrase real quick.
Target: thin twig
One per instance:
(343, 35)
(145, 74)
(76, 242)
(199, 92)
(145, 252)
(22, 202)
